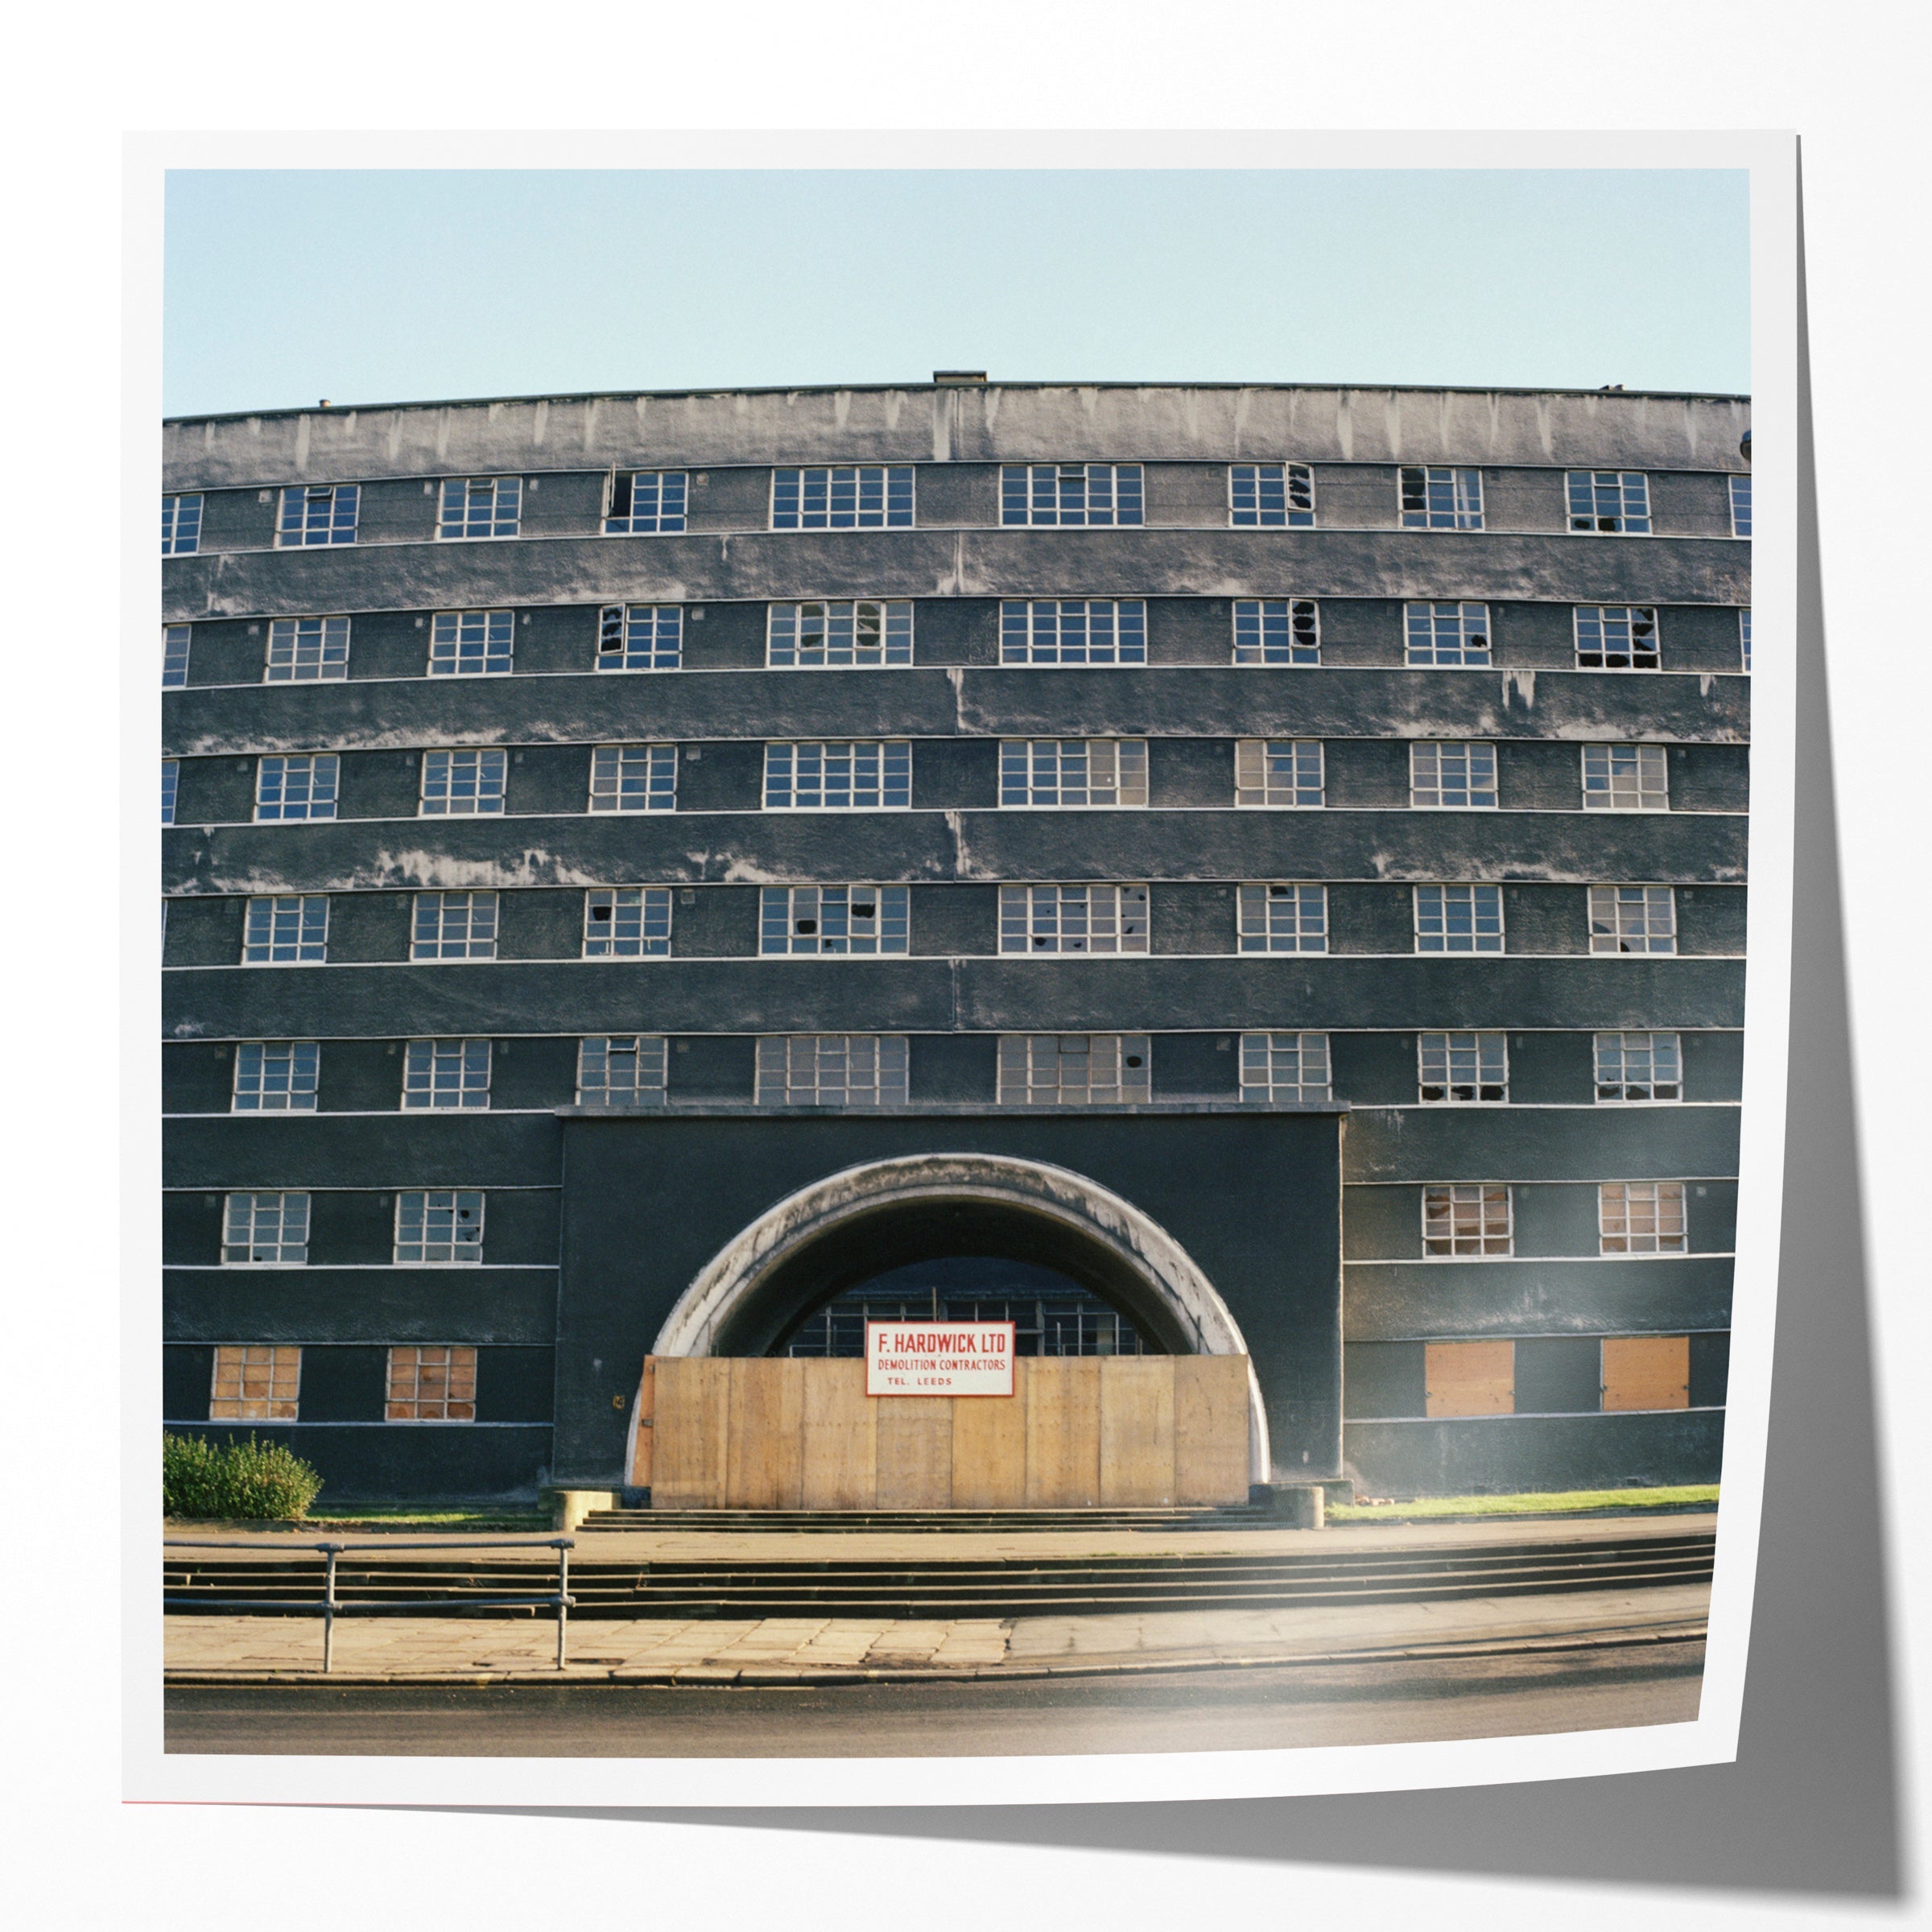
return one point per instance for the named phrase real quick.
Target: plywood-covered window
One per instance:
(1470, 1378)
(435, 1384)
(253, 1384)
(1646, 1371)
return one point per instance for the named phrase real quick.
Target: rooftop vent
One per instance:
(957, 379)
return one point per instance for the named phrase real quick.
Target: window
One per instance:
(253, 1384)
(454, 926)
(1610, 502)
(171, 778)
(480, 506)
(1446, 634)
(321, 513)
(634, 778)
(1069, 493)
(1744, 634)
(646, 502)
(1433, 499)
(304, 650)
(180, 525)
(1284, 1067)
(440, 1227)
(1632, 919)
(1458, 919)
(1073, 631)
(839, 777)
(1625, 777)
(432, 1384)
(1272, 495)
(1641, 1217)
(276, 1076)
(1075, 1069)
(621, 1070)
(439, 1076)
(1463, 1069)
(1278, 771)
(832, 1069)
(1468, 1378)
(471, 643)
(1646, 1371)
(286, 930)
(288, 790)
(640, 636)
(1073, 771)
(1452, 778)
(1740, 507)
(870, 496)
(463, 784)
(1635, 1066)
(1282, 918)
(1073, 918)
(863, 633)
(833, 919)
(627, 922)
(174, 654)
(265, 1230)
(1617, 637)
(1277, 630)
(1466, 1222)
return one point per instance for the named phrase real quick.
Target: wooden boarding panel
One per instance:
(915, 1451)
(1210, 1429)
(1647, 1371)
(1469, 1378)
(990, 1447)
(839, 1436)
(765, 1463)
(1062, 1433)
(693, 1411)
(1137, 1430)
(643, 1442)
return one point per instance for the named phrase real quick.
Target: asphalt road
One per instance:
(1191, 1711)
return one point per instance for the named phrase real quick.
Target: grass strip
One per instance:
(1540, 1502)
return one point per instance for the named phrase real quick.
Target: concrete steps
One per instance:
(1005, 1522)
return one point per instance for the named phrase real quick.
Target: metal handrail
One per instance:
(330, 1607)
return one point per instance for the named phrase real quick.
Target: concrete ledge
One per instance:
(568, 1508)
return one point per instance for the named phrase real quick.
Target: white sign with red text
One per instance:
(938, 1358)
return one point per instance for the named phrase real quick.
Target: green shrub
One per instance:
(250, 1479)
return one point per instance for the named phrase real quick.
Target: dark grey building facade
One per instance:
(1253, 868)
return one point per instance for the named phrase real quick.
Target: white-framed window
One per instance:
(627, 922)
(834, 634)
(1073, 631)
(479, 506)
(1466, 1222)
(646, 502)
(453, 926)
(315, 514)
(255, 1382)
(286, 929)
(471, 643)
(1278, 631)
(1641, 1217)
(306, 651)
(170, 779)
(265, 1230)
(815, 920)
(1637, 1068)
(1609, 503)
(276, 1076)
(1281, 917)
(432, 1382)
(1279, 772)
(1626, 777)
(1271, 496)
(174, 654)
(1040, 919)
(1740, 507)
(1455, 634)
(1284, 1067)
(1069, 494)
(634, 778)
(832, 1069)
(1433, 497)
(291, 789)
(1073, 772)
(868, 496)
(640, 636)
(1632, 919)
(1075, 1069)
(439, 1227)
(445, 1076)
(1617, 637)
(621, 1070)
(1458, 919)
(1744, 634)
(180, 525)
(464, 782)
(1462, 1069)
(1452, 777)
(858, 775)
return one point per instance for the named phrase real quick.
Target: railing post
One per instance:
(328, 1605)
(563, 1596)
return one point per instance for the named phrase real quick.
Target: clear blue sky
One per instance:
(372, 286)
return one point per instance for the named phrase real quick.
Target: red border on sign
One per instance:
(1012, 1331)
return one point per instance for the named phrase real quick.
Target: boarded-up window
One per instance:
(1470, 1378)
(432, 1385)
(255, 1385)
(1647, 1371)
